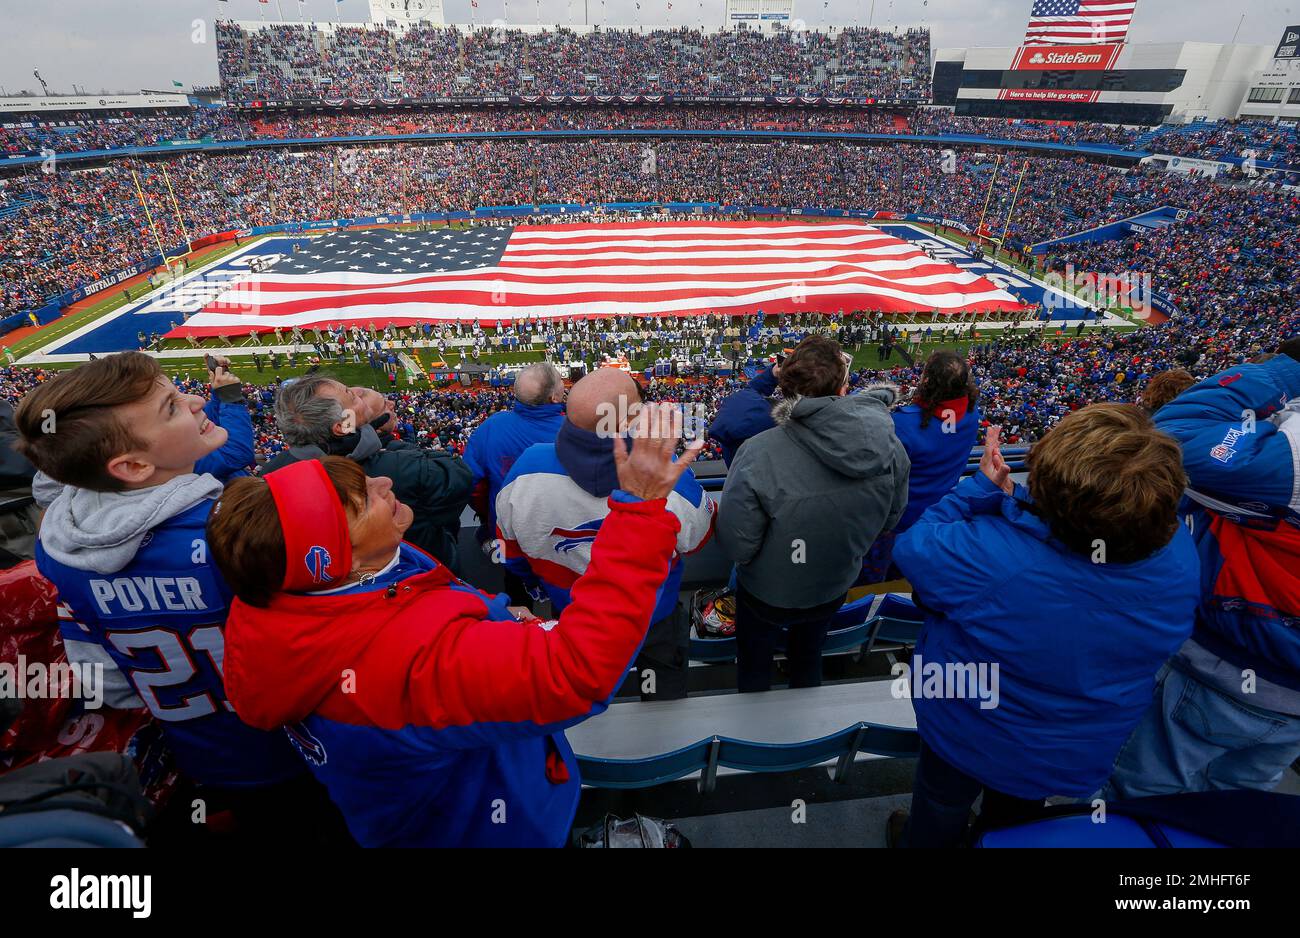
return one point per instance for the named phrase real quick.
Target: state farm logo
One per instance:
(1065, 58)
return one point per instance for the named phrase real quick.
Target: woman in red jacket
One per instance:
(431, 711)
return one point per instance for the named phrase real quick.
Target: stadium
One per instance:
(729, 433)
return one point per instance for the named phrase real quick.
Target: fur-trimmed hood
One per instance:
(839, 431)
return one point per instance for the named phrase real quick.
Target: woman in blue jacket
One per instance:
(1048, 613)
(938, 430)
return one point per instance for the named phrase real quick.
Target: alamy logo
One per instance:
(318, 563)
(74, 891)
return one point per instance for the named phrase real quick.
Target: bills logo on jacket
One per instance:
(571, 538)
(312, 749)
(318, 562)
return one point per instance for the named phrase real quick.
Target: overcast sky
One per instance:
(126, 45)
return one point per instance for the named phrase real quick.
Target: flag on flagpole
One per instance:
(1079, 22)
(177, 84)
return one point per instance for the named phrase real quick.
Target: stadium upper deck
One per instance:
(307, 63)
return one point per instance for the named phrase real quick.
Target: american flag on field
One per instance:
(1079, 22)
(493, 274)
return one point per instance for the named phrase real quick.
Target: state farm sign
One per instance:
(1072, 58)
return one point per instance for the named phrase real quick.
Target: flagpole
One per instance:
(149, 215)
(1012, 210)
(175, 206)
(988, 198)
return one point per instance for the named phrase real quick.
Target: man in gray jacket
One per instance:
(802, 505)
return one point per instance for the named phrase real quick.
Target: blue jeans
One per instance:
(1196, 738)
(758, 626)
(942, 797)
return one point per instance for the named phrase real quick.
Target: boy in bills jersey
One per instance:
(135, 468)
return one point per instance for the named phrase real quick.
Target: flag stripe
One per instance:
(630, 275)
(499, 293)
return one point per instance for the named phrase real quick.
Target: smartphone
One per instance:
(212, 363)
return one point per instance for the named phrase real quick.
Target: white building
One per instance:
(1146, 83)
(759, 14)
(406, 12)
(1274, 90)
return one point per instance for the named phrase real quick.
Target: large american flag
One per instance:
(494, 274)
(1079, 22)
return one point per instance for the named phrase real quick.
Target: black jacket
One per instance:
(435, 485)
(15, 471)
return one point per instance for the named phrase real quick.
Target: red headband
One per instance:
(317, 546)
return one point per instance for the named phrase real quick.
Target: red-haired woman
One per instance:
(433, 712)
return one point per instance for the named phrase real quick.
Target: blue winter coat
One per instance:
(1077, 644)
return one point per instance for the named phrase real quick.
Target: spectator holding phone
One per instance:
(432, 712)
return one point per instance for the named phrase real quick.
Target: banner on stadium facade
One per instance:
(1187, 165)
(27, 105)
(562, 99)
(1289, 47)
(1092, 58)
(1165, 305)
(1048, 94)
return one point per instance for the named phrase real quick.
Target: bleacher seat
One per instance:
(64, 827)
(1229, 818)
(640, 744)
(859, 624)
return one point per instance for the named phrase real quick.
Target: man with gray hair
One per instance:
(493, 448)
(319, 416)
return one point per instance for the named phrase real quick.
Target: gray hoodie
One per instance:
(805, 500)
(102, 531)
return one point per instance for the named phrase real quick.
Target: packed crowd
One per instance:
(73, 132)
(869, 482)
(70, 228)
(288, 62)
(79, 131)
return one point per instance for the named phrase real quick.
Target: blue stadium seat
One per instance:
(853, 627)
(64, 827)
(643, 773)
(1228, 818)
(1080, 831)
(637, 745)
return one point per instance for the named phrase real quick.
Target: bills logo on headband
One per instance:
(318, 563)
